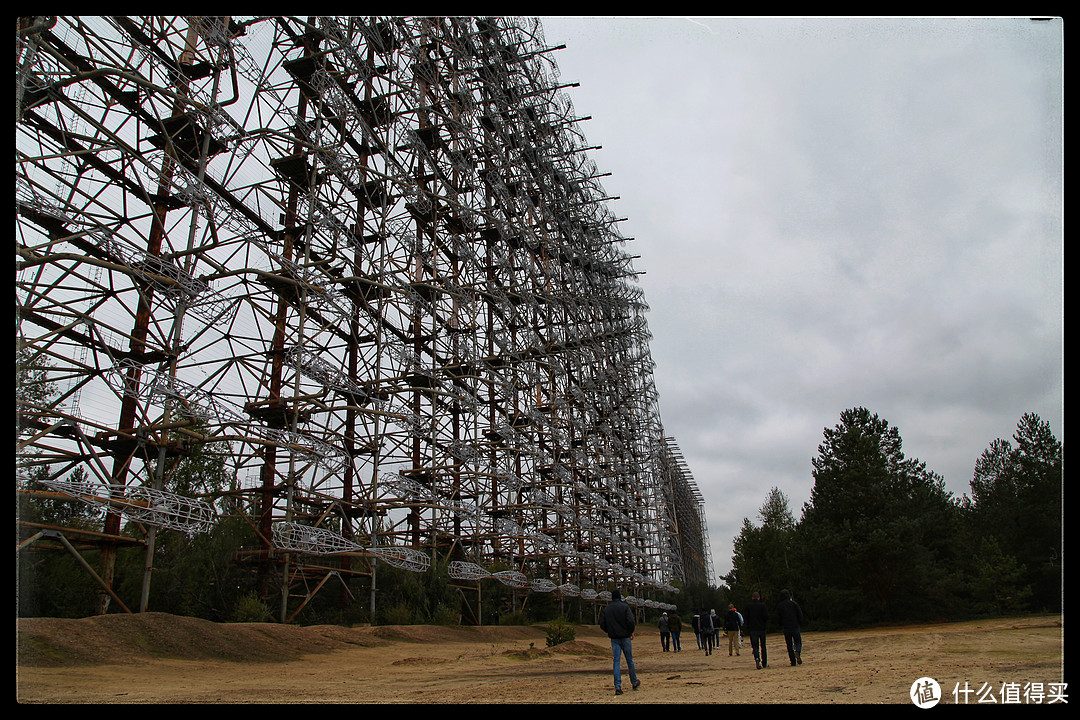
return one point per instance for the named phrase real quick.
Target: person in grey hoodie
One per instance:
(618, 622)
(790, 617)
(665, 632)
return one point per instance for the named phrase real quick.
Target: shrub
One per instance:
(399, 614)
(250, 609)
(560, 631)
(445, 615)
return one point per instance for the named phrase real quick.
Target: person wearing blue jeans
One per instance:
(623, 646)
(618, 622)
(675, 623)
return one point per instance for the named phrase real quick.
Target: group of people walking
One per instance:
(618, 622)
(789, 617)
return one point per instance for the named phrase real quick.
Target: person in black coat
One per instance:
(756, 616)
(618, 622)
(705, 628)
(790, 617)
(731, 628)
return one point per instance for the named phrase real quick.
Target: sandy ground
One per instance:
(158, 658)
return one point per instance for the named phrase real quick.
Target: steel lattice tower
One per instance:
(369, 256)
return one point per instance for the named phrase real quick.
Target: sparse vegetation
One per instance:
(560, 631)
(250, 609)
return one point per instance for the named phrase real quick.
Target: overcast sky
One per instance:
(833, 213)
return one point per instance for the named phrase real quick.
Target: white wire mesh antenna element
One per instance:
(511, 578)
(568, 589)
(461, 570)
(170, 510)
(402, 557)
(297, 537)
(149, 506)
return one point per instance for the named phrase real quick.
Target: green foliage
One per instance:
(1016, 495)
(250, 608)
(399, 614)
(876, 526)
(559, 631)
(695, 596)
(61, 511)
(52, 583)
(202, 470)
(763, 554)
(400, 597)
(997, 582)
(49, 580)
(446, 615)
(193, 575)
(882, 540)
(407, 598)
(355, 613)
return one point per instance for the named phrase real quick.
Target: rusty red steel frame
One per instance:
(371, 260)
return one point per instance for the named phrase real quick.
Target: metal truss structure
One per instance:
(683, 523)
(371, 258)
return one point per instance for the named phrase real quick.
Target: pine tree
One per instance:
(762, 558)
(874, 537)
(1016, 499)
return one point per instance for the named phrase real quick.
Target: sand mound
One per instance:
(125, 639)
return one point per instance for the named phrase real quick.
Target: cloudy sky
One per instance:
(833, 213)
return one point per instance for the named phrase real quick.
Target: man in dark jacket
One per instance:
(790, 616)
(618, 622)
(707, 627)
(731, 629)
(756, 616)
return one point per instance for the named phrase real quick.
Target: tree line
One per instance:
(882, 541)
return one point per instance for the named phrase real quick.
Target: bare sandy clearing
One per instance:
(167, 659)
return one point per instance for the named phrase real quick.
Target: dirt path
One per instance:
(164, 659)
